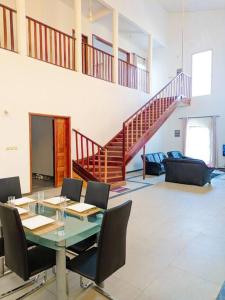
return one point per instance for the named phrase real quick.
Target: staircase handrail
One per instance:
(155, 96)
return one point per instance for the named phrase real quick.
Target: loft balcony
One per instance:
(49, 41)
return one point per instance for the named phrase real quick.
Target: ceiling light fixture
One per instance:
(90, 10)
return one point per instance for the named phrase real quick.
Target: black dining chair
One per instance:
(97, 194)
(10, 187)
(98, 263)
(27, 263)
(72, 188)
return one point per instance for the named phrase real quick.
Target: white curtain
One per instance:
(200, 139)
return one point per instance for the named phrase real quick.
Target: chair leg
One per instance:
(85, 285)
(19, 288)
(38, 287)
(99, 289)
(3, 272)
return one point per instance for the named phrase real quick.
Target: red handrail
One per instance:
(91, 156)
(8, 28)
(97, 63)
(133, 77)
(141, 121)
(51, 45)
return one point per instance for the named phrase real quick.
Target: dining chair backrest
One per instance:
(72, 188)
(9, 187)
(97, 194)
(111, 253)
(15, 245)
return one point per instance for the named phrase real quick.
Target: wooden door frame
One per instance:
(30, 139)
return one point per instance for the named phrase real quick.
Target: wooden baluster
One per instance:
(29, 39)
(60, 50)
(106, 165)
(40, 37)
(46, 44)
(132, 132)
(87, 146)
(99, 163)
(64, 50)
(141, 123)
(93, 158)
(77, 151)
(35, 40)
(12, 31)
(73, 53)
(82, 150)
(68, 40)
(56, 48)
(137, 127)
(5, 28)
(51, 53)
(127, 137)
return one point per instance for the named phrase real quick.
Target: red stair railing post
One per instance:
(106, 164)
(124, 151)
(93, 157)
(99, 164)
(77, 152)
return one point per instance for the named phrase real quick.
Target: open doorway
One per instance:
(50, 152)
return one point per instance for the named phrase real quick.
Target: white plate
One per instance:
(55, 200)
(36, 222)
(22, 211)
(22, 201)
(81, 207)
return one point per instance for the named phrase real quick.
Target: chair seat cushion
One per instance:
(85, 264)
(83, 245)
(40, 259)
(1, 247)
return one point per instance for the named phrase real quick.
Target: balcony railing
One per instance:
(97, 63)
(133, 77)
(8, 28)
(50, 44)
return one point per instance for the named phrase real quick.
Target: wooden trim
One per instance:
(30, 140)
(111, 45)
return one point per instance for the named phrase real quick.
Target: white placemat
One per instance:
(56, 200)
(36, 222)
(22, 201)
(80, 207)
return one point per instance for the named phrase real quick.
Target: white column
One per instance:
(149, 66)
(21, 27)
(78, 35)
(115, 44)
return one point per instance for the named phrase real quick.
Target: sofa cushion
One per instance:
(156, 157)
(162, 156)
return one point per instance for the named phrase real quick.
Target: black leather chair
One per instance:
(25, 262)
(98, 263)
(154, 163)
(72, 188)
(176, 154)
(187, 171)
(9, 187)
(97, 194)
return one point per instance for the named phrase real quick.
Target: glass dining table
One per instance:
(71, 230)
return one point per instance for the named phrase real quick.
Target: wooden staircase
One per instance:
(108, 163)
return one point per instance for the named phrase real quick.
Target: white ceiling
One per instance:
(192, 5)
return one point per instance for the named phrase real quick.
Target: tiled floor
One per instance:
(175, 246)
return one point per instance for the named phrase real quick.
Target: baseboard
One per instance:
(138, 170)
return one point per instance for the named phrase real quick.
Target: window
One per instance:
(201, 73)
(199, 139)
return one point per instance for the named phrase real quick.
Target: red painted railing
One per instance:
(50, 44)
(141, 121)
(97, 63)
(91, 156)
(8, 28)
(128, 75)
(133, 77)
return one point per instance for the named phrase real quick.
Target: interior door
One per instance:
(62, 149)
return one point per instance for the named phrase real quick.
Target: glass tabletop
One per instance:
(73, 229)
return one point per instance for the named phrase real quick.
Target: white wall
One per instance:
(203, 31)
(97, 108)
(42, 146)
